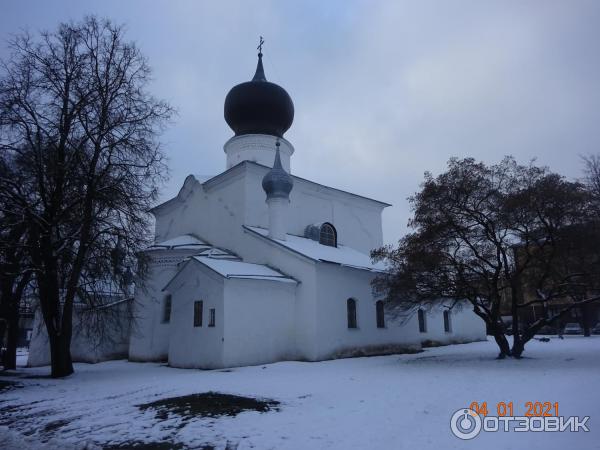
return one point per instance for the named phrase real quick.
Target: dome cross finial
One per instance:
(259, 75)
(261, 41)
(277, 163)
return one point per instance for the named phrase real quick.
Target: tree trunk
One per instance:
(528, 333)
(60, 341)
(60, 356)
(2, 331)
(502, 345)
(9, 359)
(585, 320)
(495, 329)
(519, 348)
(516, 329)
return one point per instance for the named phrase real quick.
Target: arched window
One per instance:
(351, 307)
(328, 235)
(167, 309)
(380, 314)
(422, 323)
(447, 324)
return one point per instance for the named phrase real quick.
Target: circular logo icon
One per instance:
(465, 424)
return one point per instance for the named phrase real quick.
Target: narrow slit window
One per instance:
(380, 314)
(211, 317)
(447, 323)
(198, 313)
(167, 309)
(351, 307)
(422, 322)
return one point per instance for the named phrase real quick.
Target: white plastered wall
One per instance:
(202, 346)
(216, 211)
(149, 333)
(357, 220)
(259, 322)
(304, 270)
(213, 214)
(337, 284)
(85, 346)
(465, 326)
(259, 148)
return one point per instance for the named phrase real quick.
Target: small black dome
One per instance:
(259, 106)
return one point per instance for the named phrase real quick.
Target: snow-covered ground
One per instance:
(387, 402)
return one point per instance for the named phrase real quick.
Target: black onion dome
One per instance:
(259, 106)
(277, 183)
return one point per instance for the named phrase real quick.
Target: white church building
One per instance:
(257, 265)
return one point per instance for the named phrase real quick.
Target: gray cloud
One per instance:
(383, 90)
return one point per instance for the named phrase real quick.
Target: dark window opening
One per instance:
(351, 307)
(380, 314)
(167, 309)
(328, 235)
(447, 324)
(198, 313)
(422, 324)
(211, 317)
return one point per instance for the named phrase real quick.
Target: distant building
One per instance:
(26, 314)
(580, 262)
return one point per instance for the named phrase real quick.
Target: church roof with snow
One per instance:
(230, 266)
(342, 255)
(235, 268)
(184, 242)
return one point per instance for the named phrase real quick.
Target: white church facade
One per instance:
(257, 265)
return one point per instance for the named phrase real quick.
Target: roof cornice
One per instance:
(245, 165)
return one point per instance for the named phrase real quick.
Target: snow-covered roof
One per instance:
(215, 252)
(235, 268)
(343, 255)
(186, 241)
(106, 305)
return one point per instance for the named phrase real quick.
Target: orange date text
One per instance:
(531, 409)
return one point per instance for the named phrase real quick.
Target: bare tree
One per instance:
(592, 177)
(483, 234)
(77, 121)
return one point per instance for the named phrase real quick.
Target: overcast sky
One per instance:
(383, 91)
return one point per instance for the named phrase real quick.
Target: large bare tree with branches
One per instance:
(80, 128)
(488, 235)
